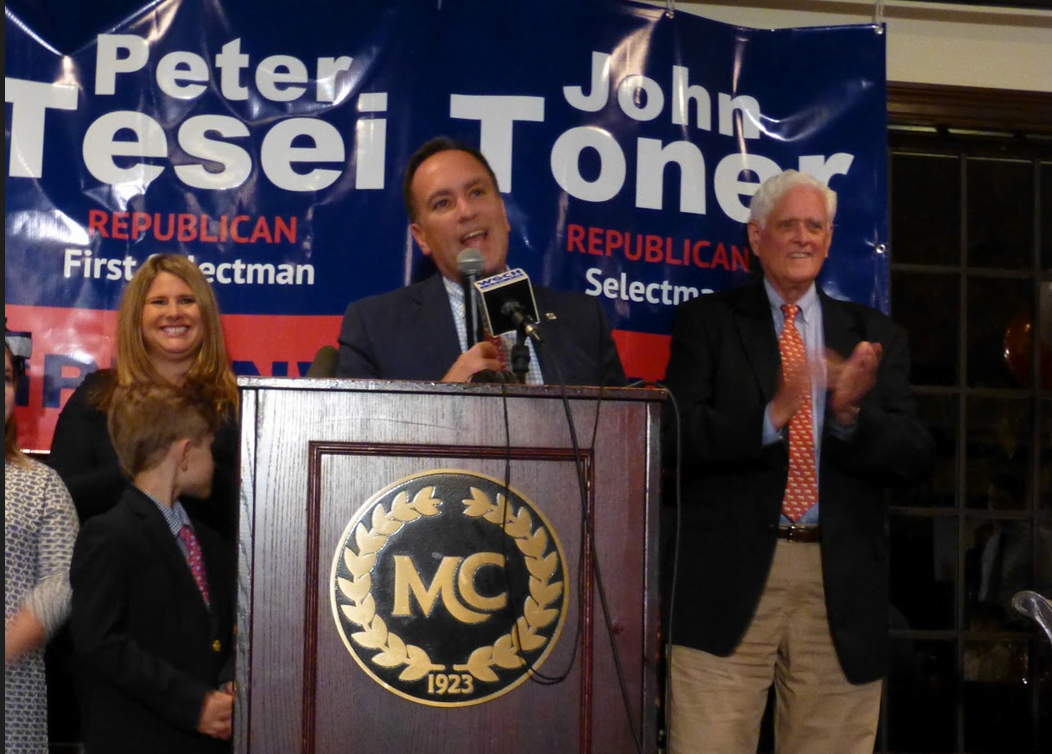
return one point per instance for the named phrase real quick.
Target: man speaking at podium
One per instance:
(418, 332)
(796, 414)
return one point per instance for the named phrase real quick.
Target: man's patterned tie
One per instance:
(801, 489)
(194, 560)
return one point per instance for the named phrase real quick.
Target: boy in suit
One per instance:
(152, 591)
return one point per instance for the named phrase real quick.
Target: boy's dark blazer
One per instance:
(148, 648)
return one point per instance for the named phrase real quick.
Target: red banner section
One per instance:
(643, 355)
(65, 350)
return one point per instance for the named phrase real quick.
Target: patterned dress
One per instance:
(40, 526)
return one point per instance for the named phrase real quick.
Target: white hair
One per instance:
(775, 187)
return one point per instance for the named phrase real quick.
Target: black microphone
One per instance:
(522, 319)
(326, 360)
(508, 304)
(470, 266)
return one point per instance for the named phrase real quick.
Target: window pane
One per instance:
(1000, 214)
(997, 711)
(922, 705)
(928, 306)
(998, 453)
(999, 561)
(938, 489)
(922, 569)
(925, 209)
(1024, 338)
(999, 312)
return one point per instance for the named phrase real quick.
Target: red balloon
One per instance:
(1019, 349)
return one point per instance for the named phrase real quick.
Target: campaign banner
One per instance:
(269, 146)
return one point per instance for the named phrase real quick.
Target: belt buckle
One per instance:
(801, 533)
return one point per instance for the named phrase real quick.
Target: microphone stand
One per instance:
(520, 354)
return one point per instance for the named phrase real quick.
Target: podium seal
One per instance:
(448, 589)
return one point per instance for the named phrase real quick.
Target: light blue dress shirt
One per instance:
(176, 519)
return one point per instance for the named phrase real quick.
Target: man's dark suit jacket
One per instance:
(148, 648)
(409, 334)
(724, 369)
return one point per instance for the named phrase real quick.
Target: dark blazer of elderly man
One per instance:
(796, 414)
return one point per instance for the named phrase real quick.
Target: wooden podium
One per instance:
(315, 452)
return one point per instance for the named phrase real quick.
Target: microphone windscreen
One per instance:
(326, 360)
(469, 263)
(497, 291)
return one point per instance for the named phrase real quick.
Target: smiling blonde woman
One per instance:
(168, 331)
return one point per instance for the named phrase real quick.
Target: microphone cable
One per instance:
(536, 676)
(588, 529)
(587, 535)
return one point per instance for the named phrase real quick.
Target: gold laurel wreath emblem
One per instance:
(394, 652)
(505, 652)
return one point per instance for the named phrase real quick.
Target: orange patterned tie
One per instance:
(801, 489)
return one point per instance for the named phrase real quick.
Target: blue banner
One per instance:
(270, 146)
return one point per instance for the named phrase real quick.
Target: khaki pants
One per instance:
(716, 703)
